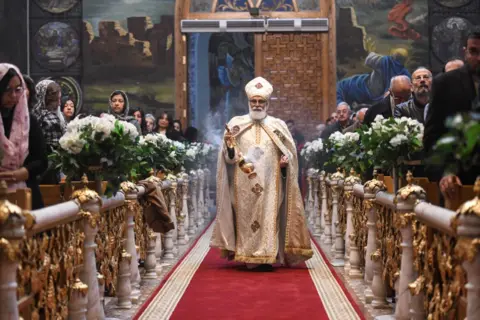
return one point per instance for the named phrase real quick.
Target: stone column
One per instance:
(207, 194)
(405, 199)
(309, 200)
(185, 213)
(150, 259)
(192, 228)
(314, 213)
(370, 191)
(201, 200)
(327, 233)
(77, 304)
(339, 244)
(348, 184)
(173, 216)
(130, 200)
(468, 230)
(88, 275)
(11, 234)
(467, 225)
(124, 285)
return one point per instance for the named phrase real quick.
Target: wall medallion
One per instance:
(453, 3)
(449, 37)
(70, 90)
(56, 46)
(56, 6)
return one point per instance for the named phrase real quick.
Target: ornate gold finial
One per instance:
(410, 189)
(128, 187)
(352, 171)
(375, 174)
(152, 172)
(476, 187)
(409, 177)
(80, 287)
(85, 180)
(8, 209)
(85, 194)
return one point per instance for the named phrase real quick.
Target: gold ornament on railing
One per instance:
(85, 195)
(388, 243)
(411, 190)
(128, 187)
(337, 175)
(110, 241)
(360, 232)
(49, 266)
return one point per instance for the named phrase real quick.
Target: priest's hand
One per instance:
(229, 139)
(283, 161)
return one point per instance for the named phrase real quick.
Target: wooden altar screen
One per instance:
(301, 66)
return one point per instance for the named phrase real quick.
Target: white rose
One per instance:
(398, 140)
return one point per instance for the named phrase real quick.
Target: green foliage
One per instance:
(459, 148)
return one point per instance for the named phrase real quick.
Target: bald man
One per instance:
(453, 65)
(421, 86)
(358, 122)
(400, 91)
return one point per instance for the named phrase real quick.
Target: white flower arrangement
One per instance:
(312, 149)
(345, 151)
(389, 140)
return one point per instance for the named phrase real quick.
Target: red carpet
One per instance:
(204, 286)
(223, 291)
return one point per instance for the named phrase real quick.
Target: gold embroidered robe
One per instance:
(260, 220)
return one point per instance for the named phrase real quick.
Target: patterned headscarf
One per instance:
(15, 148)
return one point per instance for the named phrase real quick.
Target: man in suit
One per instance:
(453, 92)
(400, 91)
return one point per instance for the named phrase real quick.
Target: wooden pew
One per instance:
(21, 197)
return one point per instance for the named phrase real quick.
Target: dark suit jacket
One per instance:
(452, 92)
(383, 107)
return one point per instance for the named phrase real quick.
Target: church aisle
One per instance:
(204, 286)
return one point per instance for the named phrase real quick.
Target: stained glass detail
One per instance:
(231, 6)
(308, 5)
(277, 5)
(267, 5)
(200, 5)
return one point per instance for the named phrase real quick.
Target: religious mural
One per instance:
(376, 40)
(231, 63)
(128, 45)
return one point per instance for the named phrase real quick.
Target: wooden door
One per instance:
(297, 65)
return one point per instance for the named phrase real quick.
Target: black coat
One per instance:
(452, 92)
(383, 107)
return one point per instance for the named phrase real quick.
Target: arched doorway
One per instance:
(300, 65)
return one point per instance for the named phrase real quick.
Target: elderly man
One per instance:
(343, 121)
(260, 216)
(453, 65)
(415, 107)
(358, 122)
(400, 91)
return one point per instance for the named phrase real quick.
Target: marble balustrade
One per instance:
(417, 259)
(59, 261)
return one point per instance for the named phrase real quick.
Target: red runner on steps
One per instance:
(221, 290)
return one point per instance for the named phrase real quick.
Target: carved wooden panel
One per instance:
(294, 64)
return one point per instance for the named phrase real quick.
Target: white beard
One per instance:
(258, 115)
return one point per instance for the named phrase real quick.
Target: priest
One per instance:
(260, 216)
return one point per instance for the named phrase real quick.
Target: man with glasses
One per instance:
(260, 216)
(400, 91)
(421, 85)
